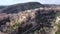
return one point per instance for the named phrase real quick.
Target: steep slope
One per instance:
(5, 19)
(29, 21)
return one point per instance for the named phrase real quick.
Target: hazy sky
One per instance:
(10, 2)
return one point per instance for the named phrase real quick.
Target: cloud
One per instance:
(50, 1)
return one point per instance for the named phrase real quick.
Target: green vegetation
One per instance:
(58, 25)
(57, 13)
(57, 32)
(15, 23)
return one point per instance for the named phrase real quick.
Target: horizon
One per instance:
(11, 2)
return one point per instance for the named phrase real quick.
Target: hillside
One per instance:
(29, 18)
(21, 7)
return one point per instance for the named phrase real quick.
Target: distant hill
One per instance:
(1, 7)
(21, 7)
(51, 5)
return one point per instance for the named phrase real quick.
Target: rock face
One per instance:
(32, 21)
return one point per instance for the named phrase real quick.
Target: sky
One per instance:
(11, 2)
